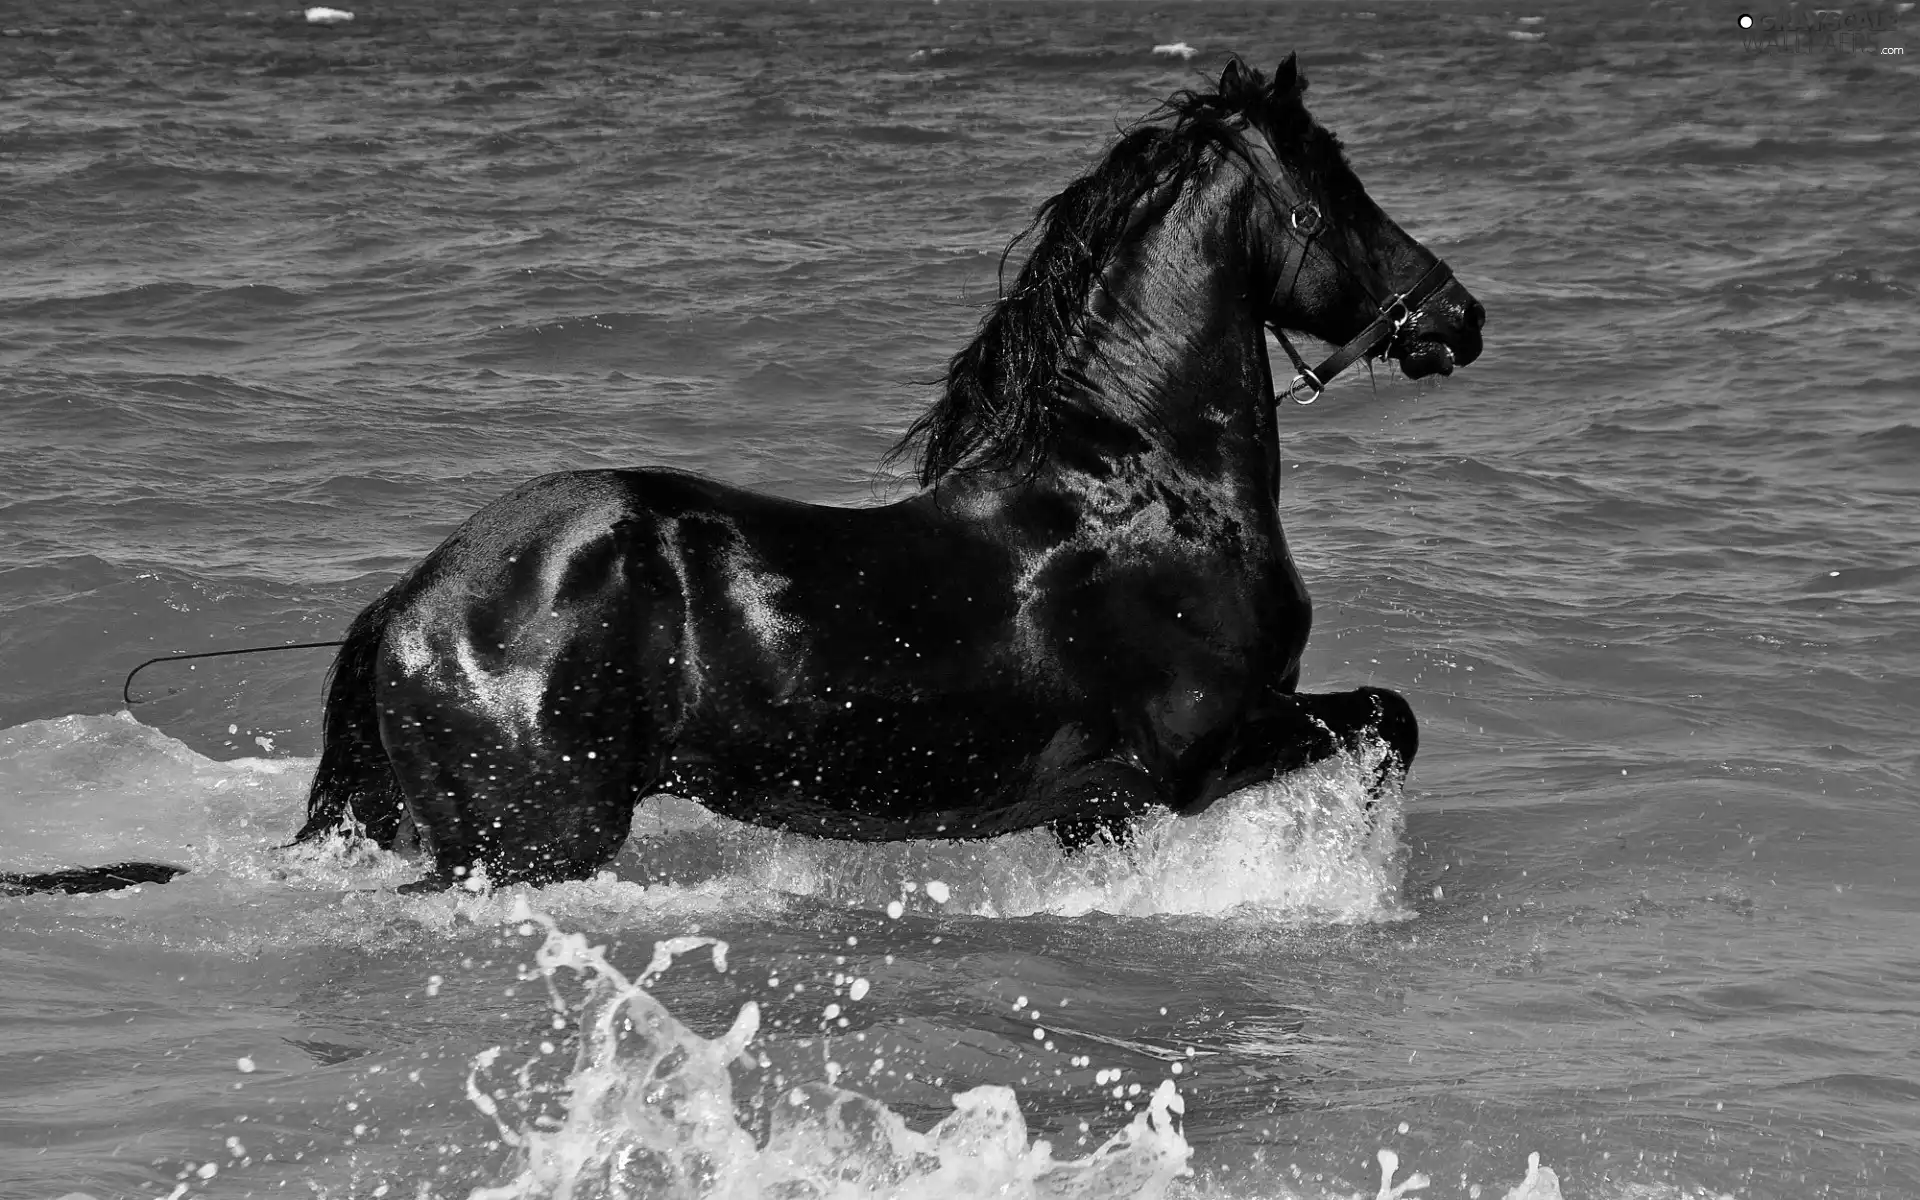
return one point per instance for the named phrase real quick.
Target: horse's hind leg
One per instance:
(527, 810)
(526, 713)
(1298, 729)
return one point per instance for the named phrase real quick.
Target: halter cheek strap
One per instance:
(1393, 312)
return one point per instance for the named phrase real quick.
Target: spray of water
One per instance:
(650, 1114)
(649, 1107)
(1314, 846)
(1310, 848)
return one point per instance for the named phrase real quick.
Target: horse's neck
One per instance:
(1171, 358)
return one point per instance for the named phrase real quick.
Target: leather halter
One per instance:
(1393, 311)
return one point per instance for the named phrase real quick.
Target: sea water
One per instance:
(284, 302)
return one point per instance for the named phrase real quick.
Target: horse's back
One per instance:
(596, 632)
(746, 575)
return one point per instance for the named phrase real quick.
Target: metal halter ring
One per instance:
(1312, 383)
(1396, 313)
(1310, 227)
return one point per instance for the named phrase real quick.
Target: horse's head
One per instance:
(1338, 267)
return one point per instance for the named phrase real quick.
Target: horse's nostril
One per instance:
(1476, 316)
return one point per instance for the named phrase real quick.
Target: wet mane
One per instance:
(998, 409)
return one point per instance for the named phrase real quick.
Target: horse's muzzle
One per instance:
(1445, 335)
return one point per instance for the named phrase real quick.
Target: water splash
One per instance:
(1389, 1190)
(1304, 848)
(1312, 846)
(650, 1114)
(1540, 1184)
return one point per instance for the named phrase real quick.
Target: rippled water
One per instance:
(283, 304)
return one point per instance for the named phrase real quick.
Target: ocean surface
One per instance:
(281, 304)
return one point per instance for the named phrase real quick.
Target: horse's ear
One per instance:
(1235, 78)
(1286, 80)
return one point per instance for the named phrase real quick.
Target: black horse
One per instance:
(1089, 609)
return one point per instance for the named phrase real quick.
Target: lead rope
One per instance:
(126, 689)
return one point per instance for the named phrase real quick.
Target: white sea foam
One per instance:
(649, 1108)
(94, 789)
(328, 16)
(1175, 50)
(1304, 847)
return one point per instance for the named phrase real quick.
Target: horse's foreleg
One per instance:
(1103, 799)
(1298, 729)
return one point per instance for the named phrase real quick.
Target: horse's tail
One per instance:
(355, 784)
(76, 880)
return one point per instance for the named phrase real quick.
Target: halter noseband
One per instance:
(1393, 312)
